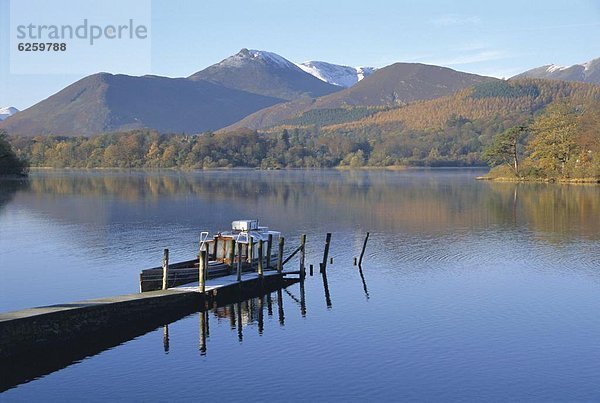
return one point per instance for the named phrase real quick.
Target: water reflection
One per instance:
(326, 289)
(166, 338)
(414, 202)
(364, 282)
(8, 189)
(241, 314)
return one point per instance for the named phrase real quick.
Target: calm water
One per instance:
(469, 290)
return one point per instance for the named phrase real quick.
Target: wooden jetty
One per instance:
(230, 267)
(225, 274)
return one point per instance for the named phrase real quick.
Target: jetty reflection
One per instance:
(242, 315)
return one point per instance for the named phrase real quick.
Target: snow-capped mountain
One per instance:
(343, 76)
(7, 111)
(588, 72)
(264, 73)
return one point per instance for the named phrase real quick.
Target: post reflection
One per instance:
(364, 283)
(166, 338)
(203, 331)
(261, 319)
(251, 313)
(280, 312)
(326, 289)
(302, 299)
(269, 305)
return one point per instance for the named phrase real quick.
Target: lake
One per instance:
(468, 290)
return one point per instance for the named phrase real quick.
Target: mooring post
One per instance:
(302, 255)
(280, 255)
(165, 267)
(363, 249)
(202, 263)
(239, 262)
(354, 260)
(260, 258)
(269, 245)
(326, 252)
(250, 250)
(215, 245)
(311, 269)
(232, 255)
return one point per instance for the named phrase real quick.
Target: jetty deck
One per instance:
(62, 323)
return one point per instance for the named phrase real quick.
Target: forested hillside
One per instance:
(448, 131)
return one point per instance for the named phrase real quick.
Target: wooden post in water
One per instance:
(363, 249)
(269, 246)
(250, 250)
(326, 252)
(302, 255)
(165, 267)
(239, 263)
(354, 260)
(311, 269)
(202, 263)
(280, 255)
(232, 256)
(215, 246)
(260, 258)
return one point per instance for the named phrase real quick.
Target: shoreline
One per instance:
(572, 181)
(226, 169)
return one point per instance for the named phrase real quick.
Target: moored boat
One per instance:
(224, 257)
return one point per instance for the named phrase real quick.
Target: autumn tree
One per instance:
(554, 139)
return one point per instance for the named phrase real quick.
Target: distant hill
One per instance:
(264, 73)
(498, 104)
(394, 85)
(343, 76)
(588, 72)
(7, 111)
(105, 102)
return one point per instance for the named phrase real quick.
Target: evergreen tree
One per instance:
(505, 149)
(10, 164)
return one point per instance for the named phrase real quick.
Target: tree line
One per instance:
(294, 148)
(562, 143)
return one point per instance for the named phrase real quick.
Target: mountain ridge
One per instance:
(264, 73)
(588, 72)
(7, 111)
(106, 102)
(340, 75)
(393, 85)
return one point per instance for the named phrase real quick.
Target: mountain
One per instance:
(488, 107)
(343, 76)
(588, 72)
(7, 111)
(397, 84)
(105, 102)
(264, 73)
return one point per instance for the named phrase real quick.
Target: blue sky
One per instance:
(485, 37)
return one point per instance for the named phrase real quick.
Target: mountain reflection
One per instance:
(418, 201)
